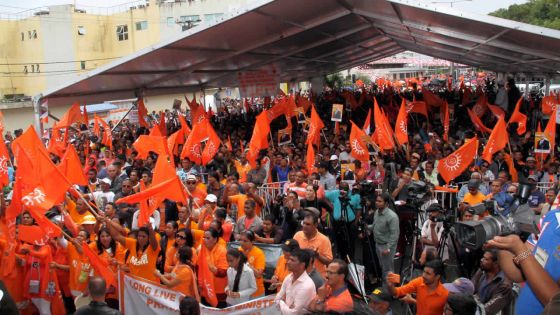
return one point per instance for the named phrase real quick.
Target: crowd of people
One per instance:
(342, 210)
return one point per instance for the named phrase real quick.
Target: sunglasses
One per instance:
(190, 182)
(180, 236)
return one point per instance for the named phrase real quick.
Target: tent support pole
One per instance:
(119, 122)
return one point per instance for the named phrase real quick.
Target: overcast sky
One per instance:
(476, 6)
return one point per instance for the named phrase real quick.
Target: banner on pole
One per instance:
(140, 296)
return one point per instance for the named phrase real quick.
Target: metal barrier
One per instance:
(269, 191)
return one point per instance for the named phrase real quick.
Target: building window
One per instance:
(211, 18)
(190, 18)
(81, 30)
(83, 65)
(22, 36)
(34, 34)
(122, 32)
(170, 21)
(142, 25)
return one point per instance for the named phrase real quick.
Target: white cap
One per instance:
(106, 181)
(334, 157)
(191, 177)
(211, 198)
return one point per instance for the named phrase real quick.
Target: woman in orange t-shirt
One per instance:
(255, 259)
(167, 242)
(217, 263)
(171, 257)
(112, 253)
(79, 264)
(143, 250)
(182, 277)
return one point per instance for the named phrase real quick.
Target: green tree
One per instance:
(537, 12)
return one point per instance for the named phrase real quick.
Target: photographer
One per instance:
(400, 193)
(432, 230)
(286, 209)
(536, 263)
(346, 211)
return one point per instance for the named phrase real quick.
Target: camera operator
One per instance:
(400, 193)
(386, 232)
(502, 198)
(431, 231)
(346, 211)
(536, 263)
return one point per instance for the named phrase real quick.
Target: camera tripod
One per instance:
(446, 236)
(412, 239)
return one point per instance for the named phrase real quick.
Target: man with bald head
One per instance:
(97, 290)
(113, 172)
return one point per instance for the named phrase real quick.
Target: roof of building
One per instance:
(304, 39)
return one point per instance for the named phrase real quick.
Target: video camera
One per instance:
(473, 234)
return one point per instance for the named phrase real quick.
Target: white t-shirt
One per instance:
(101, 198)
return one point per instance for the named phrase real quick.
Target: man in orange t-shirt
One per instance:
(431, 295)
(195, 195)
(232, 196)
(310, 237)
(334, 296)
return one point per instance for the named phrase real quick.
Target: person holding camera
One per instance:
(431, 232)
(346, 211)
(535, 262)
(386, 232)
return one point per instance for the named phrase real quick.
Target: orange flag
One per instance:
(259, 139)
(171, 189)
(445, 120)
(101, 269)
(548, 105)
(32, 234)
(161, 125)
(519, 118)
(192, 147)
(431, 99)
(401, 126)
(212, 145)
(71, 167)
(198, 116)
(477, 123)
(418, 107)
(383, 134)
(35, 168)
(144, 144)
(457, 162)
(550, 131)
(142, 114)
(184, 127)
(497, 111)
(277, 110)
(4, 163)
(511, 167)
(96, 129)
(206, 278)
(359, 148)
(73, 115)
(51, 229)
(497, 141)
(310, 159)
(145, 210)
(337, 128)
(315, 126)
(155, 131)
(56, 145)
(467, 95)
(367, 124)
(173, 141)
(481, 106)
(85, 114)
(107, 139)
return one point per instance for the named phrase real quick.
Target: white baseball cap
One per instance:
(211, 198)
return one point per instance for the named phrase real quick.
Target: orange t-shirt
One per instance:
(321, 243)
(187, 285)
(79, 270)
(144, 265)
(197, 237)
(198, 196)
(107, 258)
(239, 201)
(281, 271)
(474, 199)
(242, 170)
(217, 257)
(339, 302)
(427, 303)
(172, 259)
(256, 259)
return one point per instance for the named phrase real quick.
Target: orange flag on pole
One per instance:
(85, 114)
(497, 111)
(259, 139)
(4, 163)
(146, 144)
(550, 132)
(315, 126)
(498, 140)
(418, 107)
(32, 234)
(101, 269)
(383, 134)
(228, 144)
(171, 189)
(477, 123)
(212, 145)
(357, 145)
(519, 118)
(511, 168)
(310, 159)
(107, 139)
(457, 162)
(548, 104)
(142, 114)
(71, 167)
(73, 115)
(161, 125)
(206, 278)
(192, 147)
(401, 126)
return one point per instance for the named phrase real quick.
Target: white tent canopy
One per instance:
(305, 39)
